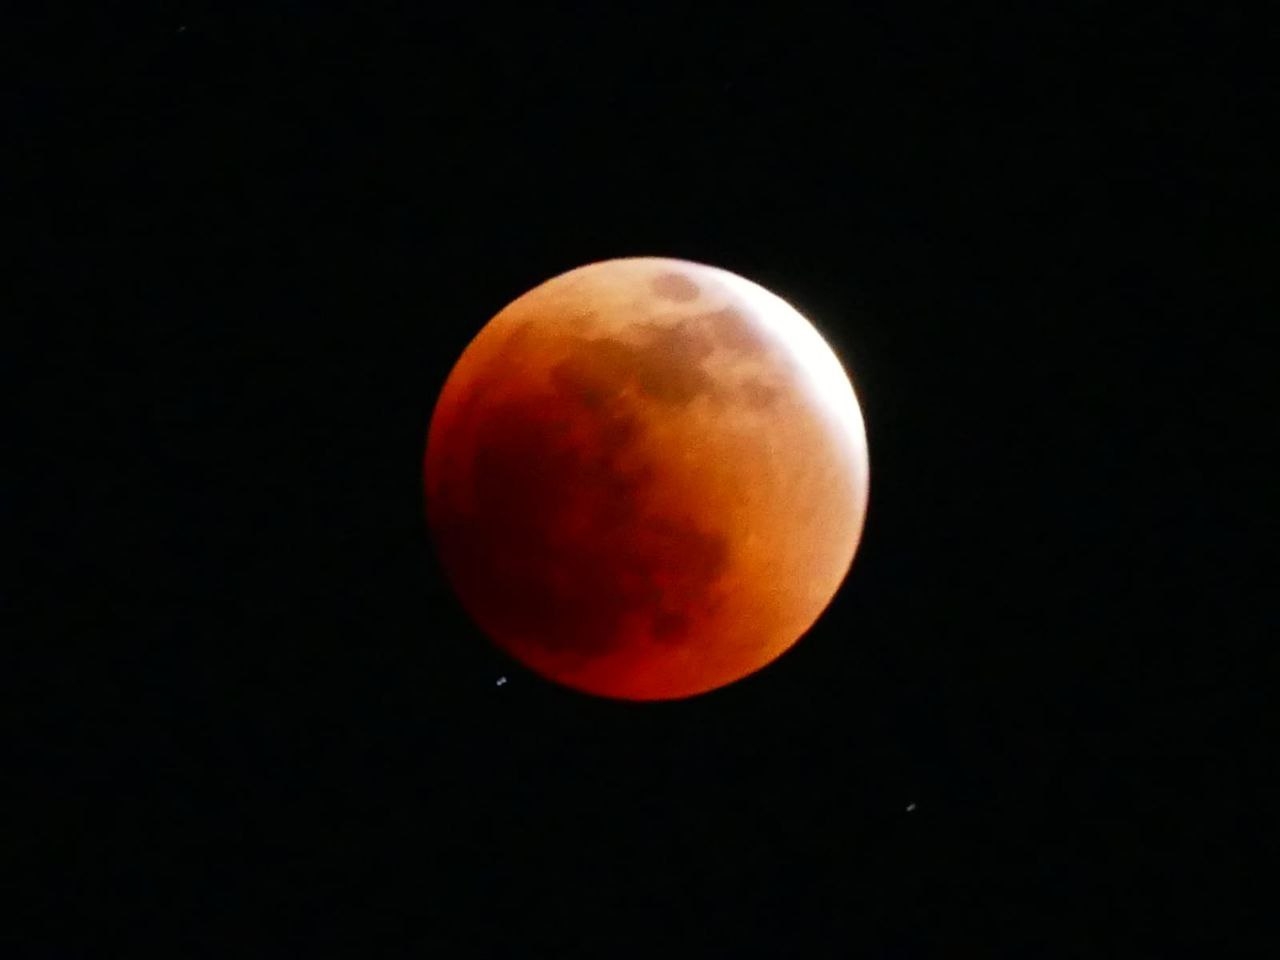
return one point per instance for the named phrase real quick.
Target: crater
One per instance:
(669, 367)
(575, 379)
(675, 286)
(758, 394)
(733, 331)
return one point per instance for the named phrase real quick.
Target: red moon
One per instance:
(646, 478)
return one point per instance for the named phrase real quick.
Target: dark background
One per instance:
(256, 721)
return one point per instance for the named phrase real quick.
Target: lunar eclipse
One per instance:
(646, 478)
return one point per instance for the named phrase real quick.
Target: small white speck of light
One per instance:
(910, 807)
(501, 681)
(183, 28)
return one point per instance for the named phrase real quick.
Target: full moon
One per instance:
(646, 478)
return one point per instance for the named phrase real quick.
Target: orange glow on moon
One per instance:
(646, 478)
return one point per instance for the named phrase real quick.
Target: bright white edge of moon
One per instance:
(808, 346)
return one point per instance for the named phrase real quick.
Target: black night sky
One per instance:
(255, 721)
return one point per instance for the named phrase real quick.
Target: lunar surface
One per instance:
(646, 478)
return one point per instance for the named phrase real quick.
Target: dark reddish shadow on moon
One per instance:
(569, 573)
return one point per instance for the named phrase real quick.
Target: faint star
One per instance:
(501, 681)
(910, 807)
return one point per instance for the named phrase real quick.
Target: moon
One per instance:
(646, 478)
